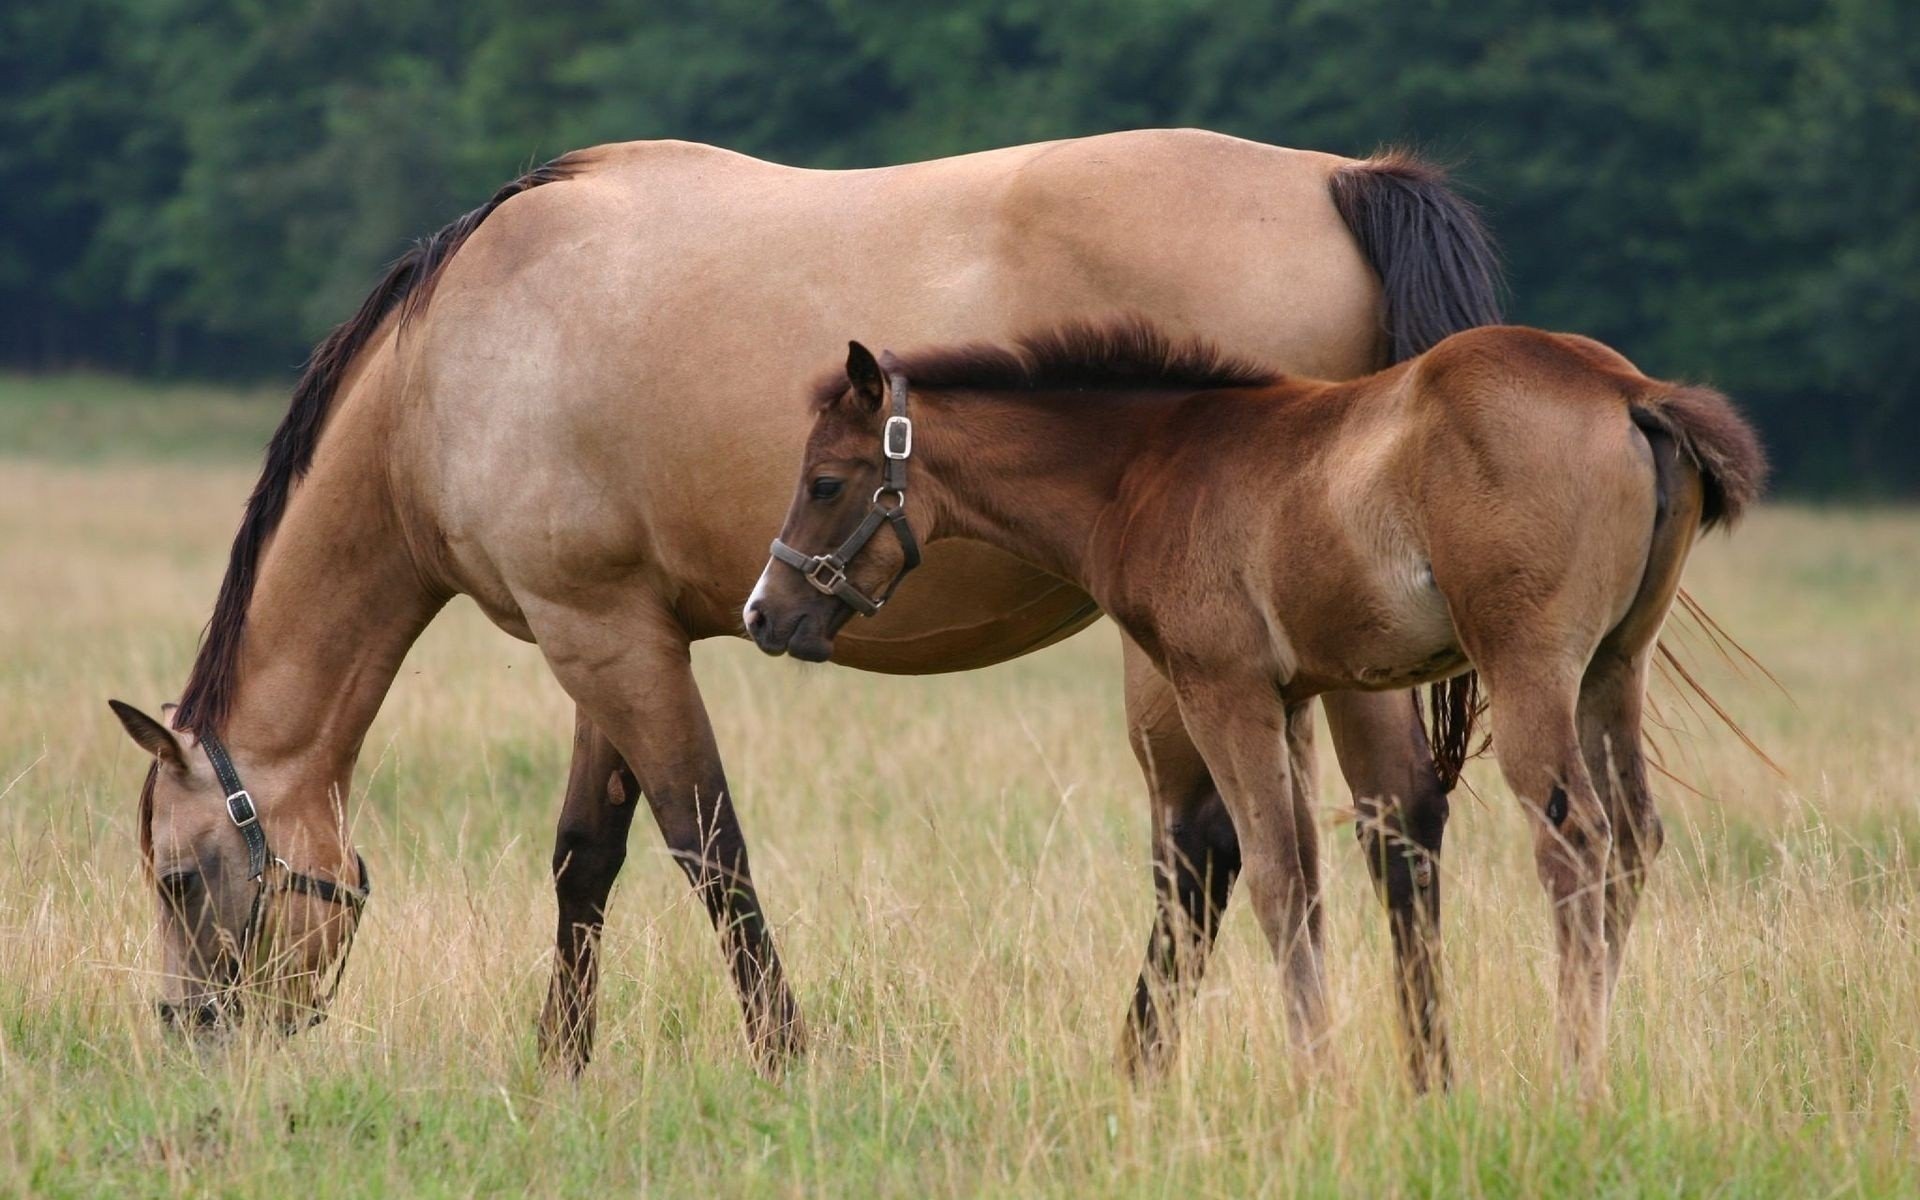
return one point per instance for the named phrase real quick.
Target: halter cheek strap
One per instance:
(828, 572)
(246, 818)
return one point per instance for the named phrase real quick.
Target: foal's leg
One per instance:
(1240, 727)
(1383, 752)
(628, 668)
(1614, 692)
(1196, 857)
(1534, 698)
(588, 850)
(1610, 702)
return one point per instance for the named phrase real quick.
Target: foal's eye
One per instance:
(825, 488)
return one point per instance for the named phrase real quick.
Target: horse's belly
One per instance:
(1414, 643)
(968, 606)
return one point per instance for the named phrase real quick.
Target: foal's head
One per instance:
(853, 477)
(234, 945)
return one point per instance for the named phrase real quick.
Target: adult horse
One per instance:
(576, 405)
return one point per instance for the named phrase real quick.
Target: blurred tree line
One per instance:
(1728, 190)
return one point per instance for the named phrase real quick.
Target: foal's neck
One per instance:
(1032, 473)
(336, 603)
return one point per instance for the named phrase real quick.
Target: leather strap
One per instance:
(245, 815)
(828, 572)
(240, 807)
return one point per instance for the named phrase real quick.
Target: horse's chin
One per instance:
(809, 645)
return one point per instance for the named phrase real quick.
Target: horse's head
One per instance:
(830, 561)
(248, 925)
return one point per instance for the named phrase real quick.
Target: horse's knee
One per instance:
(1425, 815)
(1204, 842)
(1207, 827)
(586, 859)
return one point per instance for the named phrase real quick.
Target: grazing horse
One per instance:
(1515, 500)
(568, 406)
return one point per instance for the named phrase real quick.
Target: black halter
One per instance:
(828, 572)
(246, 818)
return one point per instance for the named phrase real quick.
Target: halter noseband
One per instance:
(828, 572)
(246, 818)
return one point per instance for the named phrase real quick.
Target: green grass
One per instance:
(961, 907)
(91, 418)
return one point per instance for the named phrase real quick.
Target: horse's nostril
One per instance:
(756, 618)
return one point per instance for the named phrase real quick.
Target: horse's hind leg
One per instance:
(589, 847)
(1196, 858)
(1402, 811)
(1614, 692)
(1610, 700)
(632, 676)
(1533, 707)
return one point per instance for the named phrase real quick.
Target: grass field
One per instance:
(962, 911)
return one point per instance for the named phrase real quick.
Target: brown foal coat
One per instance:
(1515, 500)
(571, 405)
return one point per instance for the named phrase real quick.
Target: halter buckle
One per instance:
(896, 438)
(826, 573)
(240, 809)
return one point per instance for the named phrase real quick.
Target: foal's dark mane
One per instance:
(1124, 354)
(407, 286)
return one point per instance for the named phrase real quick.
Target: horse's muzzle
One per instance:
(806, 636)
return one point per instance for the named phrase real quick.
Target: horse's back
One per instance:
(631, 347)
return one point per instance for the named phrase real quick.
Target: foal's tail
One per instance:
(1712, 434)
(1439, 273)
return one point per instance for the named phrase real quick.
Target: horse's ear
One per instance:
(863, 375)
(150, 735)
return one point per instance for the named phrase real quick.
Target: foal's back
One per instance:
(1505, 480)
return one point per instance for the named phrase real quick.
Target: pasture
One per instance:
(962, 905)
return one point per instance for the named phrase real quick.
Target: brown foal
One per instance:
(1513, 501)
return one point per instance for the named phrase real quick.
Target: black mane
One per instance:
(1128, 354)
(407, 285)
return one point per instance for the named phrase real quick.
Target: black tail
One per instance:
(1439, 274)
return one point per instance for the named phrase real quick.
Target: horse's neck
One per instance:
(1032, 476)
(336, 603)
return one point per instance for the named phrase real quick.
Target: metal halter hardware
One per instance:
(245, 816)
(828, 572)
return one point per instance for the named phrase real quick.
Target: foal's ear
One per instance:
(863, 374)
(150, 735)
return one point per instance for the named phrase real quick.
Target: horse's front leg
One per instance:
(589, 847)
(1240, 725)
(1196, 858)
(627, 666)
(1402, 809)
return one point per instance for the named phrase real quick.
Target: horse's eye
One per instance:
(826, 488)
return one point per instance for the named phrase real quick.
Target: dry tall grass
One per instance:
(962, 907)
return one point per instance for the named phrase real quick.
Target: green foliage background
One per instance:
(1728, 191)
